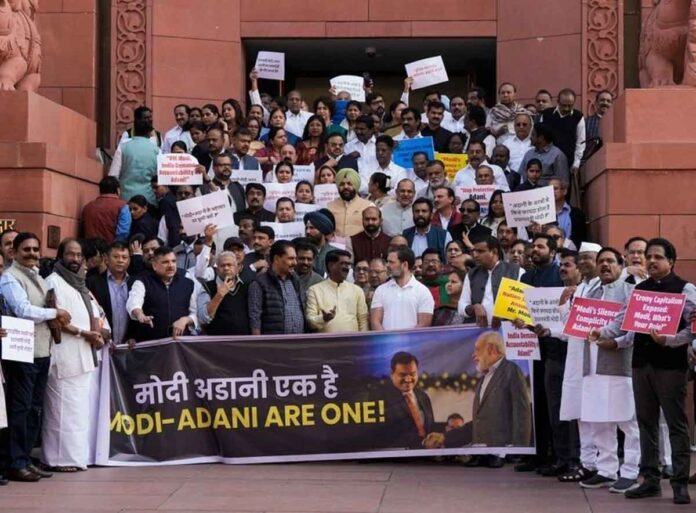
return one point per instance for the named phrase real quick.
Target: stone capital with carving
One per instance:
(20, 46)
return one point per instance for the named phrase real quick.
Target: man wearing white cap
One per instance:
(571, 399)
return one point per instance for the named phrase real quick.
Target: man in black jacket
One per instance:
(660, 368)
(222, 304)
(470, 226)
(222, 167)
(111, 288)
(276, 302)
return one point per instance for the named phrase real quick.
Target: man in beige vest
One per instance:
(24, 293)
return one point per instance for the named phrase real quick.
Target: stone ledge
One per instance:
(14, 156)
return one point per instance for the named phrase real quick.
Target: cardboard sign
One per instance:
(325, 193)
(654, 310)
(303, 173)
(352, 84)
(543, 306)
(407, 147)
(287, 231)
(270, 65)
(524, 207)
(245, 176)
(427, 72)
(520, 344)
(588, 314)
(198, 212)
(275, 191)
(18, 345)
(510, 303)
(481, 193)
(453, 162)
(177, 169)
(304, 208)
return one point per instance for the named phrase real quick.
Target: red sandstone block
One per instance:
(282, 29)
(38, 223)
(213, 19)
(519, 62)
(686, 269)
(51, 6)
(433, 9)
(69, 46)
(55, 94)
(180, 68)
(522, 19)
(453, 28)
(314, 10)
(681, 230)
(82, 100)
(657, 191)
(369, 29)
(84, 6)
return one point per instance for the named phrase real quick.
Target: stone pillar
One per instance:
(47, 166)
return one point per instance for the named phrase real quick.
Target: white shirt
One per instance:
(396, 219)
(401, 305)
(136, 298)
(177, 134)
(73, 356)
(420, 242)
(487, 302)
(455, 125)
(367, 163)
(467, 177)
(295, 123)
(419, 183)
(402, 135)
(517, 150)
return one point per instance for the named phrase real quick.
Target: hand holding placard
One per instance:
(270, 65)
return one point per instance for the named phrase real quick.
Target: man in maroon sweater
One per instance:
(107, 217)
(372, 242)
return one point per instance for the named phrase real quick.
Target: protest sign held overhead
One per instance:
(270, 65)
(481, 193)
(198, 212)
(427, 72)
(526, 207)
(404, 150)
(177, 169)
(453, 162)
(352, 84)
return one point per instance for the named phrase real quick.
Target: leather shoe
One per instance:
(41, 473)
(552, 470)
(645, 490)
(22, 475)
(681, 494)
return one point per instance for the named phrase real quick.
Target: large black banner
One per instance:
(312, 397)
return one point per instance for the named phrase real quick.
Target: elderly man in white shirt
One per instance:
(295, 117)
(180, 131)
(397, 215)
(402, 302)
(477, 156)
(521, 143)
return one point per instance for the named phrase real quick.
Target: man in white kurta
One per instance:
(65, 433)
(571, 398)
(607, 390)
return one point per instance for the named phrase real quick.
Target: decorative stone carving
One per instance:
(602, 47)
(665, 59)
(131, 60)
(20, 46)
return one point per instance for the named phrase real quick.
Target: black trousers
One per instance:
(563, 433)
(542, 427)
(654, 388)
(25, 385)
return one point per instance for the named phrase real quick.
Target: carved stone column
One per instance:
(602, 55)
(131, 58)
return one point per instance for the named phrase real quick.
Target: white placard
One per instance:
(18, 345)
(198, 212)
(427, 72)
(223, 234)
(177, 169)
(304, 208)
(325, 193)
(286, 231)
(270, 65)
(542, 304)
(481, 193)
(524, 207)
(301, 173)
(275, 191)
(520, 344)
(352, 84)
(245, 176)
